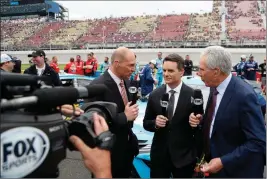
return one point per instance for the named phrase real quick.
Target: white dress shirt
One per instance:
(115, 78)
(221, 89)
(176, 94)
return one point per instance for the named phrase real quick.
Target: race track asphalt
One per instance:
(73, 167)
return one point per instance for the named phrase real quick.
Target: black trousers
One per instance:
(166, 169)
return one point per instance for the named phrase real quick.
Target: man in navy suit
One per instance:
(232, 129)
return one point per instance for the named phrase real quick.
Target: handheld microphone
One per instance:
(197, 101)
(164, 102)
(53, 97)
(133, 94)
(133, 91)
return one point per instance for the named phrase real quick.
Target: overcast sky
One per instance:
(100, 9)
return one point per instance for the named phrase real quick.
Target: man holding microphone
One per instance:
(232, 129)
(173, 152)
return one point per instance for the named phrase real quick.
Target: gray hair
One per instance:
(218, 57)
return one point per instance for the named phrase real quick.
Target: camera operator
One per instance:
(7, 64)
(96, 160)
(67, 110)
(41, 68)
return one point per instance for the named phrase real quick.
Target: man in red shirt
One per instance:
(90, 66)
(54, 64)
(70, 67)
(79, 65)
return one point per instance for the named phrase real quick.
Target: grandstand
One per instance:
(231, 24)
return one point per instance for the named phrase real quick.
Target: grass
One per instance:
(25, 66)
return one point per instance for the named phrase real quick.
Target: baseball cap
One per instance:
(6, 58)
(154, 63)
(37, 53)
(243, 56)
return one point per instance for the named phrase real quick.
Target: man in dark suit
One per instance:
(116, 79)
(173, 148)
(188, 66)
(233, 131)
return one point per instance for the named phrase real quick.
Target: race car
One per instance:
(141, 163)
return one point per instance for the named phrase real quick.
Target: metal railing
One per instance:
(159, 44)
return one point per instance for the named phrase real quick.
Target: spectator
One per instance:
(54, 64)
(90, 66)
(188, 66)
(250, 68)
(41, 68)
(79, 65)
(70, 67)
(105, 65)
(159, 75)
(7, 64)
(17, 66)
(147, 80)
(239, 67)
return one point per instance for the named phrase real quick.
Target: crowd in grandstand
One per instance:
(244, 22)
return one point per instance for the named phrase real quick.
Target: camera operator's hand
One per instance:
(131, 112)
(67, 110)
(96, 160)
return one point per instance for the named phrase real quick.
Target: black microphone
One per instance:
(164, 102)
(15, 79)
(53, 97)
(133, 90)
(133, 94)
(197, 101)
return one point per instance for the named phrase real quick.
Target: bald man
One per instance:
(116, 79)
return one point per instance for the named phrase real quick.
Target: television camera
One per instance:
(34, 136)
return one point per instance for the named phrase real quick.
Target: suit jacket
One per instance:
(239, 134)
(126, 141)
(177, 138)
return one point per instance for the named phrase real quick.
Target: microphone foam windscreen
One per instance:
(198, 94)
(52, 97)
(164, 100)
(14, 79)
(96, 90)
(165, 97)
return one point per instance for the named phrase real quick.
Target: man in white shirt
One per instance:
(173, 151)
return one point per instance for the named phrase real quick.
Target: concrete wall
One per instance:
(143, 55)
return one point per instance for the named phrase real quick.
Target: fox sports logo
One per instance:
(23, 150)
(164, 104)
(197, 101)
(133, 89)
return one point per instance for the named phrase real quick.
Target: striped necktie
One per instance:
(123, 93)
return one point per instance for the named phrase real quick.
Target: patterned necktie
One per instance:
(171, 105)
(208, 121)
(123, 93)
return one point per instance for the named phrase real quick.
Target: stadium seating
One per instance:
(245, 21)
(204, 27)
(67, 35)
(170, 28)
